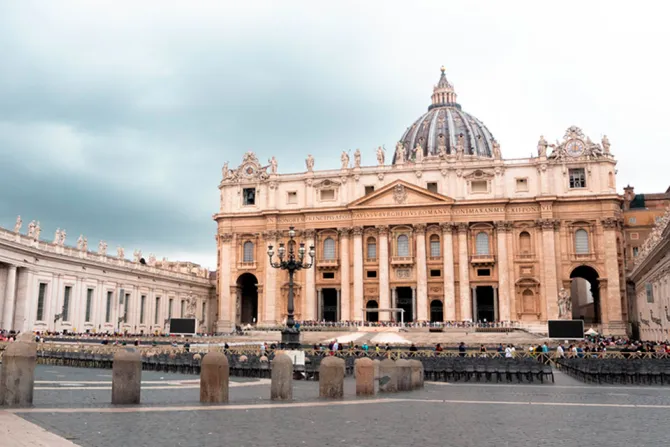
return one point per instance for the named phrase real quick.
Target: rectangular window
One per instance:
(369, 189)
(327, 194)
(577, 178)
(170, 308)
(522, 184)
(635, 236)
(66, 303)
(479, 186)
(204, 310)
(89, 304)
(432, 187)
(632, 220)
(435, 273)
(650, 292)
(182, 308)
(371, 273)
(157, 310)
(636, 250)
(292, 198)
(108, 307)
(143, 300)
(126, 306)
(249, 196)
(41, 296)
(483, 272)
(328, 275)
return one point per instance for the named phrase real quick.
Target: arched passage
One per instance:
(372, 316)
(436, 311)
(247, 296)
(585, 294)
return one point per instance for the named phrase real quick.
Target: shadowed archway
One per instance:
(585, 294)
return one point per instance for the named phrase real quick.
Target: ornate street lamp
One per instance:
(291, 261)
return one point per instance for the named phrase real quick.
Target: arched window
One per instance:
(581, 242)
(524, 242)
(372, 248)
(482, 243)
(329, 249)
(403, 245)
(434, 245)
(248, 252)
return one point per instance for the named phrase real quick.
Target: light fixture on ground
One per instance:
(292, 262)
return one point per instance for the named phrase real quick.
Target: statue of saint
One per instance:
(380, 156)
(418, 153)
(102, 248)
(459, 148)
(137, 254)
(31, 229)
(152, 259)
(38, 230)
(273, 165)
(564, 304)
(542, 147)
(224, 171)
(57, 236)
(345, 160)
(84, 245)
(441, 146)
(309, 162)
(606, 144)
(62, 238)
(119, 253)
(496, 150)
(17, 226)
(357, 158)
(80, 242)
(400, 153)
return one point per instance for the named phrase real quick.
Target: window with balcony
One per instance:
(524, 243)
(581, 242)
(249, 196)
(329, 249)
(403, 245)
(434, 246)
(372, 248)
(248, 252)
(577, 178)
(482, 244)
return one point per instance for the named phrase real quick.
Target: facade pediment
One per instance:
(400, 193)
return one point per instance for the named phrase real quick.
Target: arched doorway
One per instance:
(585, 294)
(247, 295)
(372, 317)
(436, 311)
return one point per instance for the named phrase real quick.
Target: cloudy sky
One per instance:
(116, 116)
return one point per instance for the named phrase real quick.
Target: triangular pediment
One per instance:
(400, 193)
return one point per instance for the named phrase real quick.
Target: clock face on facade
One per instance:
(574, 148)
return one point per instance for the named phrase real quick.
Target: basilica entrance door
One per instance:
(404, 301)
(329, 307)
(484, 304)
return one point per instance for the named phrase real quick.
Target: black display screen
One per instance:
(182, 325)
(566, 329)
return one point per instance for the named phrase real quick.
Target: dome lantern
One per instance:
(443, 92)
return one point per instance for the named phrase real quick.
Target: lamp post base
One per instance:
(290, 339)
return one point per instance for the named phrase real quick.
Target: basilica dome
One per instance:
(445, 129)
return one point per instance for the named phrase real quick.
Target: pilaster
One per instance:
(310, 282)
(345, 281)
(422, 274)
(448, 272)
(358, 274)
(464, 272)
(548, 260)
(226, 301)
(383, 272)
(502, 228)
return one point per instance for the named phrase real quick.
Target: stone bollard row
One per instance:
(364, 370)
(281, 382)
(214, 378)
(417, 374)
(17, 379)
(331, 378)
(126, 377)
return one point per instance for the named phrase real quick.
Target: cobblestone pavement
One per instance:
(566, 413)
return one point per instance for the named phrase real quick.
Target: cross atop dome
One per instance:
(443, 92)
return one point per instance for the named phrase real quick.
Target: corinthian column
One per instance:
(10, 289)
(464, 272)
(613, 307)
(448, 272)
(383, 271)
(421, 273)
(270, 289)
(225, 323)
(358, 274)
(549, 267)
(503, 271)
(345, 282)
(310, 282)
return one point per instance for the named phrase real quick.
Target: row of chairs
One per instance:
(466, 369)
(618, 371)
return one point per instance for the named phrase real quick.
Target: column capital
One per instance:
(269, 235)
(447, 227)
(420, 228)
(609, 222)
(309, 234)
(463, 227)
(357, 231)
(226, 237)
(383, 229)
(503, 226)
(344, 232)
(548, 224)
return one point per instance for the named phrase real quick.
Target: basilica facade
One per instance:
(442, 229)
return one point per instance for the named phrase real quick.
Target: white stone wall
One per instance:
(57, 267)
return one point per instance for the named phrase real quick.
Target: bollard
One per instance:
(281, 386)
(364, 369)
(17, 379)
(214, 378)
(388, 376)
(126, 377)
(404, 371)
(331, 378)
(376, 364)
(417, 374)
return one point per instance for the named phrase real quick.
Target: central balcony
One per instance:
(482, 260)
(327, 264)
(402, 260)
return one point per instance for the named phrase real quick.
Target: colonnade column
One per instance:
(413, 304)
(310, 282)
(613, 292)
(549, 267)
(448, 272)
(319, 304)
(422, 274)
(503, 305)
(358, 274)
(10, 289)
(464, 272)
(383, 271)
(496, 304)
(474, 303)
(225, 323)
(270, 288)
(345, 282)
